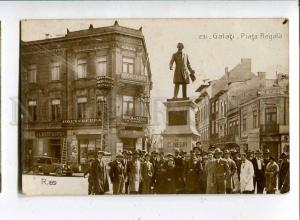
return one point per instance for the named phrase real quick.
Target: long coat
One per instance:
(192, 172)
(134, 175)
(170, 179)
(99, 177)
(160, 186)
(232, 170)
(147, 174)
(246, 176)
(271, 176)
(209, 171)
(221, 172)
(283, 170)
(182, 62)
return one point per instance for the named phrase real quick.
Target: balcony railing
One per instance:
(136, 78)
(269, 128)
(105, 82)
(135, 119)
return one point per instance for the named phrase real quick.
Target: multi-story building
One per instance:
(202, 115)
(247, 111)
(85, 91)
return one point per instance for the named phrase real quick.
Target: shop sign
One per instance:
(134, 77)
(50, 134)
(81, 122)
(131, 134)
(135, 119)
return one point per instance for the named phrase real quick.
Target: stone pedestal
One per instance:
(180, 129)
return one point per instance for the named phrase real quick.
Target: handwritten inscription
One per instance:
(44, 181)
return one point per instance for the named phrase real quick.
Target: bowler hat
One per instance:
(267, 151)
(218, 151)
(170, 155)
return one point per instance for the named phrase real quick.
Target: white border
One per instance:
(15, 206)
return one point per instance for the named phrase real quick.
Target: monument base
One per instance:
(180, 129)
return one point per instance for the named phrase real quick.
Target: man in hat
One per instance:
(284, 169)
(154, 161)
(246, 175)
(147, 174)
(179, 171)
(99, 175)
(259, 170)
(134, 173)
(209, 173)
(117, 174)
(236, 176)
(232, 170)
(87, 171)
(126, 160)
(160, 185)
(267, 155)
(170, 175)
(271, 176)
(221, 172)
(192, 172)
(181, 75)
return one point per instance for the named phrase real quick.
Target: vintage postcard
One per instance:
(154, 106)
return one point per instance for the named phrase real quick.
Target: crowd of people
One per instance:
(197, 172)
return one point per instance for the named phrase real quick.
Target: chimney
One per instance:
(261, 75)
(246, 63)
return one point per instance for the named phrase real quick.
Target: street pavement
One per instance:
(53, 185)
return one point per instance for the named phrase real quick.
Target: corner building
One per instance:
(84, 92)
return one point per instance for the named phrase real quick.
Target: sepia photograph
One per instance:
(154, 106)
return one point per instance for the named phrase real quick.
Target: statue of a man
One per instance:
(181, 75)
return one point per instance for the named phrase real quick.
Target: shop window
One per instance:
(128, 105)
(128, 65)
(32, 110)
(81, 107)
(101, 66)
(55, 71)
(81, 68)
(55, 109)
(32, 72)
(83, 145)
(271, 115)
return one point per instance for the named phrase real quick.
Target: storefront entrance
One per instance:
(54, 148)
(129, 144)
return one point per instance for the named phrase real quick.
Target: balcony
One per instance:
(134, 119)
(269, 128)
(105, 82)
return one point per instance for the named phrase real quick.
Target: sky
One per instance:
(209, 44)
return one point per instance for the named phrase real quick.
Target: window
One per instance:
(212, 107)
(32, 70)
(213, 127)
(128, 65)
(271, 115)
(81, 68)
(32, 110)
(55, 109)
(222, 110)
(81, 107)
(225, 108)
(244, 123)
(100, 106)
(255, 119)
(101, 66)
(55, 71)
(128, 105)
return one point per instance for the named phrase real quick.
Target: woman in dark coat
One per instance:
(99, 175)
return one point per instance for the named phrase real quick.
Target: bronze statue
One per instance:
(181, 76)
